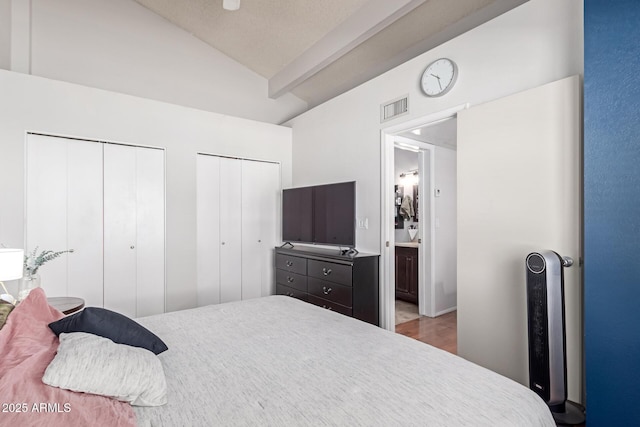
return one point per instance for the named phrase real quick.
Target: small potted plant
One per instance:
(32, 262)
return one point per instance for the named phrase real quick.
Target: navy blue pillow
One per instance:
(109, 324)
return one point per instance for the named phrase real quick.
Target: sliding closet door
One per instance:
(64, 211)
(230, 230)
(133, 230)
(260, 202)
(208, 226)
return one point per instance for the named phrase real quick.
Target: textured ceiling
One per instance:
(443, 134)
(263, 35)
(268, 36)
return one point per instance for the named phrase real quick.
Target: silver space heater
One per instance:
(546, 330)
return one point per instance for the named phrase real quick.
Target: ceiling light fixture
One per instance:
(231, 4)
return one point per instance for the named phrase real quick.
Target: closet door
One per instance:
(64, 211)
(238, 205)
(120, 219)
(230, 204)
(84, 222)
(150, 226)
(208, 229)
(260, 202)
(133, 230)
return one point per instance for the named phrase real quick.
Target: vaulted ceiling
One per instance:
(317, 49)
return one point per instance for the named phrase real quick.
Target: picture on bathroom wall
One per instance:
(399, 195)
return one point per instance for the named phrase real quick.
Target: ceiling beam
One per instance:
(371, 18)
(487, 13)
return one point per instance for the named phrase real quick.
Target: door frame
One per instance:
(388, 138)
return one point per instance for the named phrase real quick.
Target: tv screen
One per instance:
(322, 214)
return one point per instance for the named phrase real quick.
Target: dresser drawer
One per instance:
(330, 305)
(337, 273)
(330, 291)
(292, 280)
(291, 292)
(291, 263)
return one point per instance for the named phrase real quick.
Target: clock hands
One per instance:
(439, 84)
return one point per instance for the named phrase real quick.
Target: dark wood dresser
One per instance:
(342, 283)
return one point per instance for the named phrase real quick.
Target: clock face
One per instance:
(439, 77)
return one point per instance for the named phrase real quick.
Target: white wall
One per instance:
(445, 280)
(121, 46)
(5, 34)
(536, 43)
(31, 103)
(519, 181)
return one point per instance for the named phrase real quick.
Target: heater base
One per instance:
(573, 414)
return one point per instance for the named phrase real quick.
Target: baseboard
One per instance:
(448, 310)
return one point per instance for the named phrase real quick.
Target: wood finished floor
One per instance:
(440, 332)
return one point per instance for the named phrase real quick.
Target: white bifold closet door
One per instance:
(106, 202)
(133, 230)
(64, 212)
(238, 209)
(260, 207)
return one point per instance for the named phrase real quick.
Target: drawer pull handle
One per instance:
(289, 263)
(326, 290)
(328, 308)
(290, 279)
(326, 271)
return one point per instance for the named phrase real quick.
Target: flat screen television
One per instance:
(321, 214)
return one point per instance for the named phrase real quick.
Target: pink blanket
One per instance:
(27, 346)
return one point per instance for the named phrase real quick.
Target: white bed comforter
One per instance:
(276, 361)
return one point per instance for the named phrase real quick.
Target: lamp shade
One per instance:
(11, 263)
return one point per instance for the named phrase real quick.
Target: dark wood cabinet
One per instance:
(407, 274)
(342, 283)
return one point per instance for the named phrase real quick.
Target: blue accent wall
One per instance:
(612, 211)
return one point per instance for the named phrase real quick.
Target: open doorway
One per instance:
(426, 146)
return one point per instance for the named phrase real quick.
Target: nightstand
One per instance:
(66, 305)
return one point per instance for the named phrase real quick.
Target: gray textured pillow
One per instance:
(92, 364)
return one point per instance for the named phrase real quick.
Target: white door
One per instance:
(518, 191)
(64, 212)
(134, 230)
(230, 203)
(270, 223)
(208, 229)
(260, 202)
(238, 205)
(120, 220)
(150, 226)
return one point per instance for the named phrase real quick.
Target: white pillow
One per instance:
(92, 364)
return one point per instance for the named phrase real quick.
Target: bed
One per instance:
(277, 361)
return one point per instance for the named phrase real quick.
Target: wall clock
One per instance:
(439, 77)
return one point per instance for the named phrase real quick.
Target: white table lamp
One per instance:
(11, 267)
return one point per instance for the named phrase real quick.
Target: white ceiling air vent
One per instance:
(392, 109)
